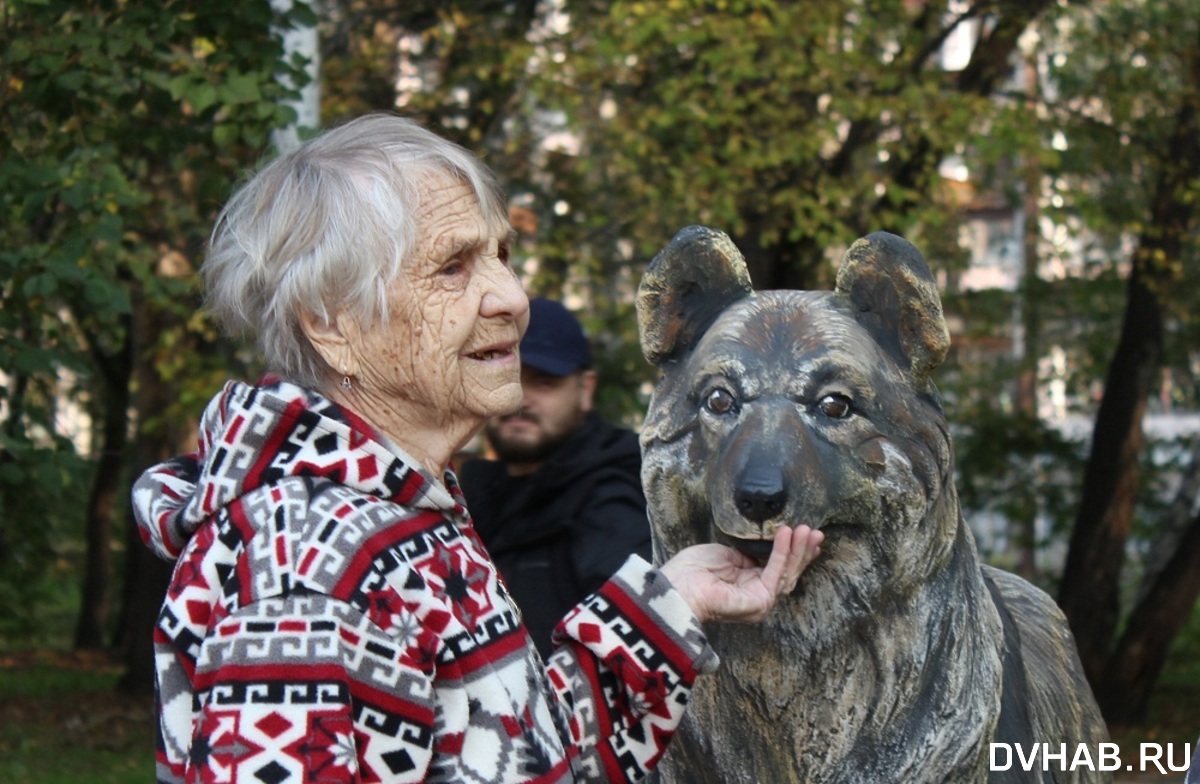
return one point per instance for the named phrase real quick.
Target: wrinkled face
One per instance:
(456, 316)
(787, 412)
(552, 407)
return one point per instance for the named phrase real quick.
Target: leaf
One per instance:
(225, 134)
(201, 96)
(41, 285)
(241, 88)
(302, 14)
(179, 86)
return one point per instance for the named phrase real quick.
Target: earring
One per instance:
(346, 385)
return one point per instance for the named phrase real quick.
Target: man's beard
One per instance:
(522, 451)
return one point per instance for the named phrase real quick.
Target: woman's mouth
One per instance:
(494, 351)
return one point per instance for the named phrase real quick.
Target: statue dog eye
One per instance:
(834, 406)
(720, 401)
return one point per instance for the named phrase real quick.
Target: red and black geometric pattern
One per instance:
(334, 618)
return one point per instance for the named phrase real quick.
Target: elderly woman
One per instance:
(333, 615)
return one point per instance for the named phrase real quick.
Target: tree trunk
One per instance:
(146, 581)
(785, 264)
(1138, 658)
(1170, 590)
(115, 370)
(1091, 583)
(1028, 320)
(146, 575)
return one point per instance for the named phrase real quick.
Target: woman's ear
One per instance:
(330, 340)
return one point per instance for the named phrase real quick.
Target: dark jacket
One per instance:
(559, 533)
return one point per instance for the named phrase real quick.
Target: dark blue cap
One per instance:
(554, 343)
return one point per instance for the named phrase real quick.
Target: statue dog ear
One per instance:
(894, 296)
(696, 276)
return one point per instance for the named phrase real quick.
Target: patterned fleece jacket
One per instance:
(333, 617)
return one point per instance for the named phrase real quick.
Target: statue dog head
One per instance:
(799, 407)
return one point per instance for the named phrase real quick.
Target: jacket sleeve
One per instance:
(292, 687)
(626, 661)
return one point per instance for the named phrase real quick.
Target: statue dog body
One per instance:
(899, 658)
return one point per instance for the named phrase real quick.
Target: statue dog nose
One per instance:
(760, 495)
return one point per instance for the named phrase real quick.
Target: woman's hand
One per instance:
(721, 584)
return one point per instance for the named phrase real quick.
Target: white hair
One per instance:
(323, 229)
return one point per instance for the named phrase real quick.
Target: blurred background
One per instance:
(1044, 154)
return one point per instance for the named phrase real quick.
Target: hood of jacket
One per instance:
(254, 435)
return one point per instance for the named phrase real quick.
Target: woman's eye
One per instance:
(453, 267)
(834, 406)
(720, 401)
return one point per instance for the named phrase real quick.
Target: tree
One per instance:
(127, 123)
(794, 127)
(1138, 108)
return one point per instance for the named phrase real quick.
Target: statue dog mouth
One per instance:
(757, 549)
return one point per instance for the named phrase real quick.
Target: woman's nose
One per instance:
(503, 294)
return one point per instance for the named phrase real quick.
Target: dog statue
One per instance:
(899, 657)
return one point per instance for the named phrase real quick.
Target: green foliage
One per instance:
(732, 115)
(624, 375)
(1127, 88)
(1019, 467)
(126, 124)
(796, 127)
(39, 488)
(781, 123)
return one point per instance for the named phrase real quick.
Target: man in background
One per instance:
(561, 507)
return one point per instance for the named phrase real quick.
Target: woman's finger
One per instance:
(775, 573)
(805, 546)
